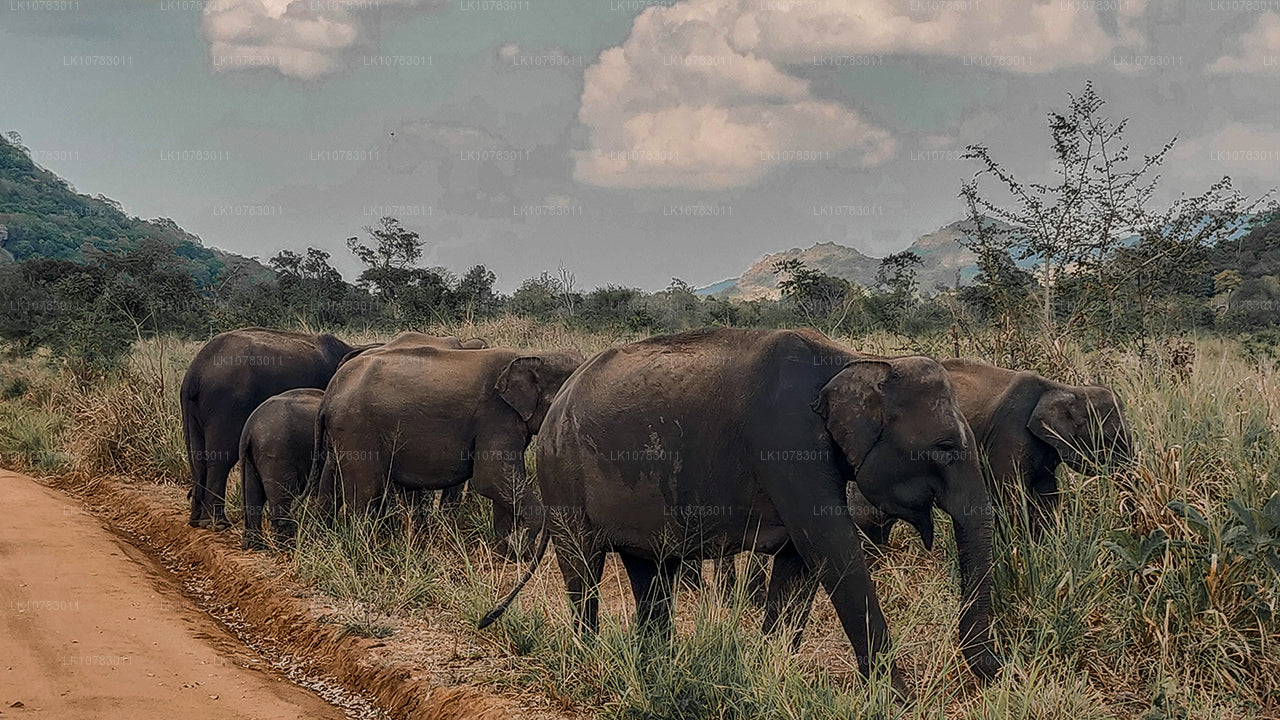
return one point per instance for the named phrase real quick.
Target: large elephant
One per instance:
(423, 417)
(1026, 426)
(275, 457)
(228, 378)
(717, 441)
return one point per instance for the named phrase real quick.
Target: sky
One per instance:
(627, 141)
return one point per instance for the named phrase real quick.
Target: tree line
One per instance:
(1090, 255)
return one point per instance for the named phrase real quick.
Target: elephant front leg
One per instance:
(813, 507)
(499, 474)
(1043, 499)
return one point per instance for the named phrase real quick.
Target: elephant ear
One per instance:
(852, 404)
(1060, 419)
(357, 352)
(518, 385)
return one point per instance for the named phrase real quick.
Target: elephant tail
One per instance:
(193, 434)
(319, 453)
(544, 539)
(252, 492)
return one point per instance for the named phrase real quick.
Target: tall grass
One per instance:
(1153, 595)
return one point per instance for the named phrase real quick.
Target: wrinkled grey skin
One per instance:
(275, 457)
(422, 417)
(230, 376)
(717, 441)
(1026, 426)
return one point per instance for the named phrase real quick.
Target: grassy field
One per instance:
(1155, 595)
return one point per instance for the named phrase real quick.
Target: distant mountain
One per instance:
(42, 216)
(943, 261)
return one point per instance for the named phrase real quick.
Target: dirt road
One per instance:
(90, 627)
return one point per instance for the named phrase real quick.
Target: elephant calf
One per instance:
(275, 456)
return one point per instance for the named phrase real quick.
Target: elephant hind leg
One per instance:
(790, 595)
(651, 586)
(199, 472)
(582, 568)
(364, 475)
(221, 453)
(757, 578)
(283, 527)
(253, 499)
(726, 576)
(326, 490)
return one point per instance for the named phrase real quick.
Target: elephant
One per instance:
(228, 378)
(423, 417)
(275, 457)
(721, 440)
(1026, 426)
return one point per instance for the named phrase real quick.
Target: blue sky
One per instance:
(629, 143)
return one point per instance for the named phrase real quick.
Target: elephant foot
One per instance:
(904, 695)
(216, 525)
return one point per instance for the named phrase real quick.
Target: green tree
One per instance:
(536, 298)
(825, 301)
(412, 293)
(475, 295)
(1103, 252)
(312, 288)
(675, 308)
(389, 263)
(896, 280)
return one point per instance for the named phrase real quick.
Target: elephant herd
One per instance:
(666, 451)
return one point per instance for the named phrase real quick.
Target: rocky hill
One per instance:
(944, 262)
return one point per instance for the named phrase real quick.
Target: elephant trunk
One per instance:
(969, 506)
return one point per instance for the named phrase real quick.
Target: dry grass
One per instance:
(1127, 608)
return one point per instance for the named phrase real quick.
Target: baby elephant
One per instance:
(275, 452)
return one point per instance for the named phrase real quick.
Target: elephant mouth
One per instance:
(923, 523)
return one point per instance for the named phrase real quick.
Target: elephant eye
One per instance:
(945, 452)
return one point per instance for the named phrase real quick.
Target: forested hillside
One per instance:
(44, 217)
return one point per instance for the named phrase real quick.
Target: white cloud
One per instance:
(302, 39)
(699, 95)
(1236, 149)
(1259, 50)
